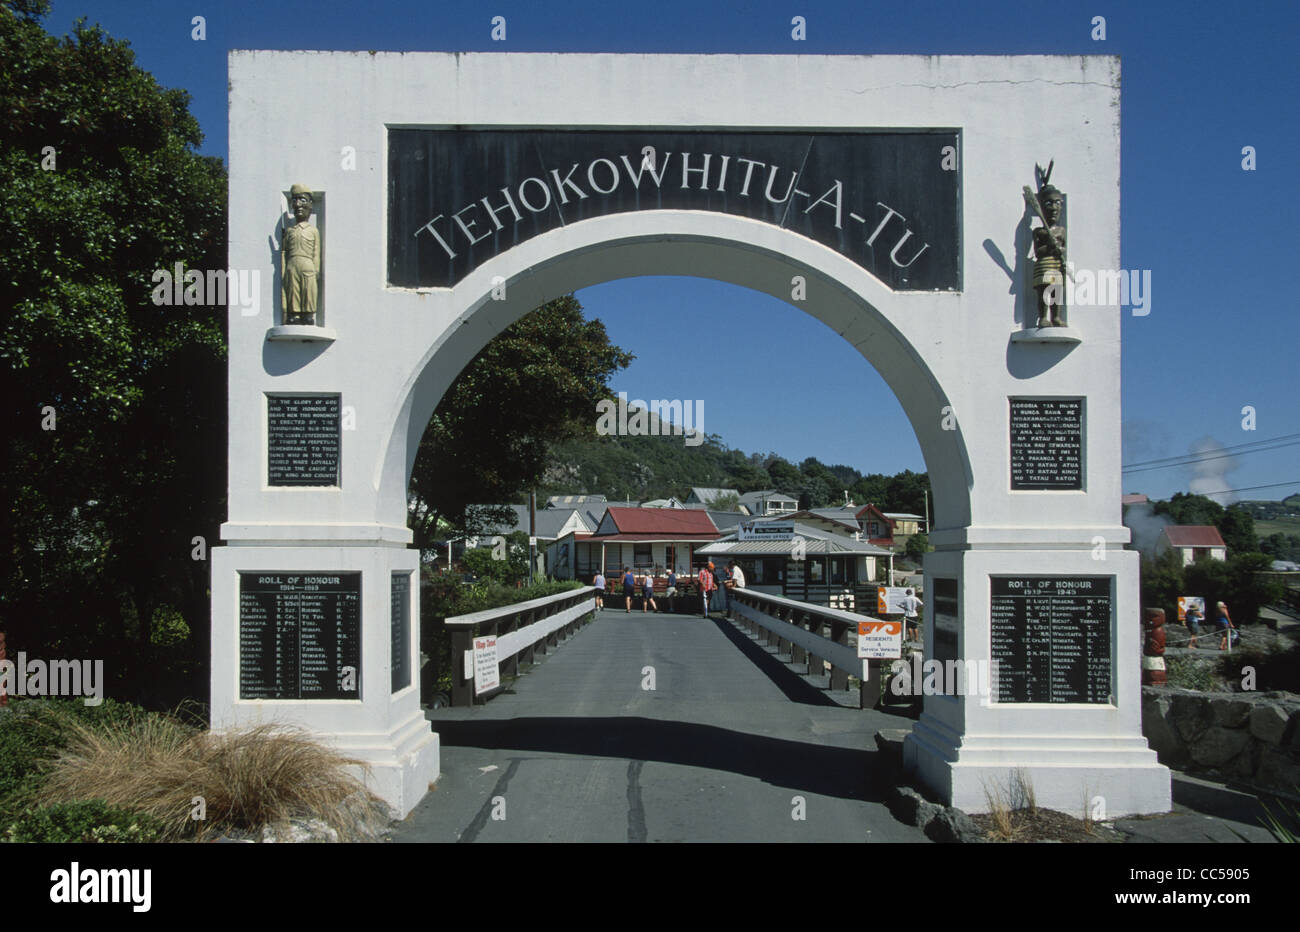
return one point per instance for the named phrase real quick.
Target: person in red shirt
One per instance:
(707, 585)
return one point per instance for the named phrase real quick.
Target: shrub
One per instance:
(267, 775)
(444, 597)
(90, 820)
(33, 732)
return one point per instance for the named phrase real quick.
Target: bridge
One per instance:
(660, 727)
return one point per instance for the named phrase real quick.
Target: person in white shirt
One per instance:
(737, 581)
(910, 605)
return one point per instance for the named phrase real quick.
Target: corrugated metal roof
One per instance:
(1194, 535)
(816, 540)
(664, 522)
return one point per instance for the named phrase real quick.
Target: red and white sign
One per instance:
(487, 675)
(880, 640)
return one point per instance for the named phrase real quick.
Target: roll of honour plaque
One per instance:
(400, 629)
(1051, 638)
(299, 635)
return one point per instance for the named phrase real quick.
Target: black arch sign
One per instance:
(889, 201)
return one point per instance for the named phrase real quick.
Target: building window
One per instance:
(641, 555)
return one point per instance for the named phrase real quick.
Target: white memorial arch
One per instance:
(316, 543)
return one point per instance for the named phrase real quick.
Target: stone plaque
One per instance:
(943, 592)
(1046, 443)
(303, 439)
(1051, 638)
(400, 622)
(457, 198)
(299, 635)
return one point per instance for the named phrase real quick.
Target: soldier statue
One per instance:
(300, 260)
(1049, 249)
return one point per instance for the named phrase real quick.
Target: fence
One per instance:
(524, 629)
(796, 627)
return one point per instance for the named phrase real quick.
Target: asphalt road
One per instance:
(729, 745)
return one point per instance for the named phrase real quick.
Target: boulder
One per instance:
(1268, 721)
(1229, 712)
(1160, 734)
(952, 825)
(1279, 771)
(911, 808)
(1190, 715)
(1216, 746)
(305, 832)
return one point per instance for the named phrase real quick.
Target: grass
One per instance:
(238, 781)
(1003, 806)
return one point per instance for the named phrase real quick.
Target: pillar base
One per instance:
(1106, 778)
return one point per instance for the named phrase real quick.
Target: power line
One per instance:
(1251, 488)
(1195, 459)
(1211, 453)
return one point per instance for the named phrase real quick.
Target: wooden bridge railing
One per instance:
(797, 628)
(522, 630)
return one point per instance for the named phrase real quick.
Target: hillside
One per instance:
(647, 467)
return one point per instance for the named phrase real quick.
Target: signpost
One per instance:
(880, 640)
(487, 675)
(765, 530)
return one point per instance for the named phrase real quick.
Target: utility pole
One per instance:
(532, 534)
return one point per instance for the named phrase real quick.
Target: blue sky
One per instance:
(1199, 83)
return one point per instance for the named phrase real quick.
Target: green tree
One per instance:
(917, 546)
(1237, 528)
(1184, 508)
(100, 186)
(536, 384)
(726, 501)
(1162, 583)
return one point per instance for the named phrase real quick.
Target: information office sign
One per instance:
(1051, 638)
(299, 635)
(765, 530)
(457, 198)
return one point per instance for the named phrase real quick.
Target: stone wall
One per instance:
(1252, 738)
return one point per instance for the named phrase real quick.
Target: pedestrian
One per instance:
(737, 582)
(1224, 624)
(719, 592)
(648, 591)
(671, 591)
(629, 587)
(599, 583)
(1192, 619)
(706, 587)
(910, 605)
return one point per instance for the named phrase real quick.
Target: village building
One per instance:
(803, 561)
(769, 502)
(646, 539)
(699, 497)
(1195, 542)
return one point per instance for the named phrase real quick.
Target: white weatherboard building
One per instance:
(904, 230)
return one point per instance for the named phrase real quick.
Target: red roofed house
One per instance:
(652, 539)
(1195, 542)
